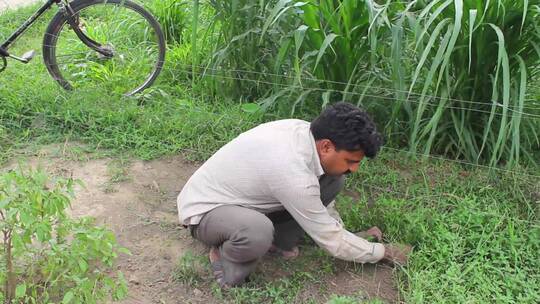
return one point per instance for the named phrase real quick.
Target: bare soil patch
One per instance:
(139, 205)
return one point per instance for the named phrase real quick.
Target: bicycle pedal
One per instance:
(28, 55)
(25, 58)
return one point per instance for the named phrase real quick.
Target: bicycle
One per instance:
(113, 43)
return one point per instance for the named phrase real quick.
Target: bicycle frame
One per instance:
(4, 47)
(70, 19)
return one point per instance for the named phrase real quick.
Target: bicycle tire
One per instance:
(59, 29)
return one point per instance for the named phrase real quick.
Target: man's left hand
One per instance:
(372, 233)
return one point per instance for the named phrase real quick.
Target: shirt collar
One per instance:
(315, 160)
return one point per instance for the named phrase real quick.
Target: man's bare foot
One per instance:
(285, 254)
(217, 268)
(213, 254)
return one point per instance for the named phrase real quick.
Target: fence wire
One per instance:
(524, 115)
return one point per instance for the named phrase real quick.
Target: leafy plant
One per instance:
(48, 257)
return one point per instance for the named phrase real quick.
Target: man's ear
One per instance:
(327, 145)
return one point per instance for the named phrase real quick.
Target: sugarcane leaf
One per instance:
(326, 43)
(472, 18)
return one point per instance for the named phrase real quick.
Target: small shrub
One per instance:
(47, 256)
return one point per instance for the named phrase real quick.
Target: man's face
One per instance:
(338, 162)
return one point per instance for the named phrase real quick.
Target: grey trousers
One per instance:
(244, 235)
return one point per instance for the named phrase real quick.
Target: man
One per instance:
(268, 186)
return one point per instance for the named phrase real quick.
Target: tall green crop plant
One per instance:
(248, 38)
(445, 76)
(335, 40)
(334, 51)
(286, 43)
(331, 45)
(473, 61)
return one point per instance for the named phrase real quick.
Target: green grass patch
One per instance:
(476, 234)
(303, 280)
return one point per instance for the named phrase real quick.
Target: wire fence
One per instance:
(378, 93)
(412, 153)
(361, 95)
(390, 99)
(352, 85)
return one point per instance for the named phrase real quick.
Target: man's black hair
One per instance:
(349, 128)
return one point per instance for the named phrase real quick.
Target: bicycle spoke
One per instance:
(72, 54)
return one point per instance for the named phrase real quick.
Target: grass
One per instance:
(304, 280)
(164, 120)
(118, 172)
(191, 269)
(476, 233)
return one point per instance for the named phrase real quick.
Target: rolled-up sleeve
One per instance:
(300, 196)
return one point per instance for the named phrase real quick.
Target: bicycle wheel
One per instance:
(127, 29)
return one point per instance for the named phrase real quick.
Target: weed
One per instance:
(191, 269)
(353, 299)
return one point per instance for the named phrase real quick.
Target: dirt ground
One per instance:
(139, 205)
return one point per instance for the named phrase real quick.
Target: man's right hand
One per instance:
(396, 254)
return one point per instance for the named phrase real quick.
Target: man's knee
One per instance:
(260, 234)
(252, 240)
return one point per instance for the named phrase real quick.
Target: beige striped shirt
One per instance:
(269, 168)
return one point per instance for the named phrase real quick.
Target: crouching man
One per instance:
(266, 188)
